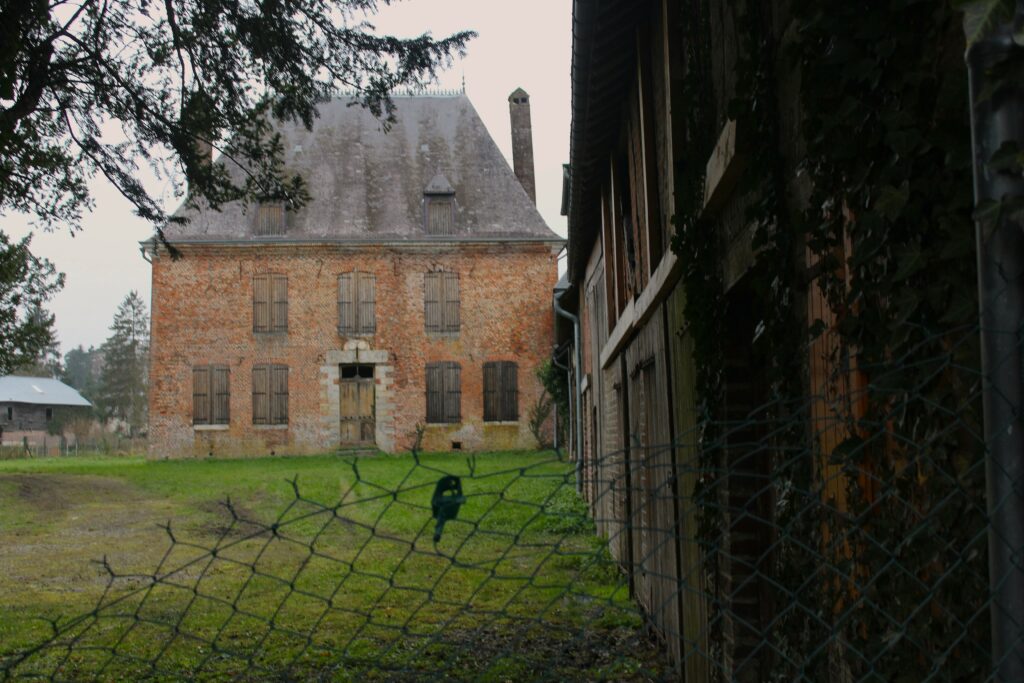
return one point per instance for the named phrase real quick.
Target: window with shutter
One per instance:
(270, 394)
(270, 219)
(444, 393)
(201, 396)
(501, 392)
(269, 303)
(357, 303)
(211, 395)
(440, 215)
(441, 302)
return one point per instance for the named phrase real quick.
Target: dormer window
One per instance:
(270, 218)
(439, 207)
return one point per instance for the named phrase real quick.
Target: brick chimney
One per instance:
(522, 141)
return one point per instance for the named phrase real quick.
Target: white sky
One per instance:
(525, 44)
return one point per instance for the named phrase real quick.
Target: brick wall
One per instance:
(202, 314)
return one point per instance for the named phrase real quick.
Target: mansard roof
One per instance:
(368, 185)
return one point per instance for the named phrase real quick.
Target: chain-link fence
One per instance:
(838, 537)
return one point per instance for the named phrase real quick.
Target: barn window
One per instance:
(269, 303)
(49, 414)
(10, 413)
(441, 302)
(270, 394)
(271, 219)
(444, 393)
(501, 392)
(357, 303)
(211, 395)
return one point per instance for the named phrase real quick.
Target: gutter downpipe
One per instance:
(579, 389)
(998, 118)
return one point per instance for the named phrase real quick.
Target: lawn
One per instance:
(318, 568)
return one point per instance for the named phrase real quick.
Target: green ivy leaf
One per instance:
(891, 200)
(982, 16)
(1008, 157)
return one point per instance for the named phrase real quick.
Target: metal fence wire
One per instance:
(841, 536)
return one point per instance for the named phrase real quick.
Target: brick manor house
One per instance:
(414, 288)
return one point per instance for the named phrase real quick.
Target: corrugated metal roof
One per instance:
(42, 390)
(368, 184)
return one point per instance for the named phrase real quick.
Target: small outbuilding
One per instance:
(28, 406)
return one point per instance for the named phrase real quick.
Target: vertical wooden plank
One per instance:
(367, 303)
(279, 313)
(261, 303)
(490, 392)
(453, 393)
(346, 312)
(201, 395)
(349, 401)
(260, 395)
(432, 301)
(510, 382)
(279, 398)
(221, 395)
(452, 302)
(366, 410)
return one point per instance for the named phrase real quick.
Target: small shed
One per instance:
(29, 404)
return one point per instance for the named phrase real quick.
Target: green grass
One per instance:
(322, 568)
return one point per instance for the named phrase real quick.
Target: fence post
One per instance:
(996, 118)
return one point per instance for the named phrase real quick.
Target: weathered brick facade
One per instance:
(203, 303)
(203, 315)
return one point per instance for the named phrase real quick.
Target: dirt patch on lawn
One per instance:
(61, 492)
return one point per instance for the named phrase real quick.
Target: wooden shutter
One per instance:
(279, 394)
(260, 394)
(452, 303)
(432, 301)
(452, 393)
(270, 219)
(490, 392)
(509, 392)
(346, 307)
(221, 393)
(261, 298)
(435, 393)
(279, 312)
(439, 216)
(367, 303)
(200, 396)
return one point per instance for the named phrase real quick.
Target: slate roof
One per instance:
(368, 185)
(40, 390)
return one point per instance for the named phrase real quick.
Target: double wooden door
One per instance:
(358, 421)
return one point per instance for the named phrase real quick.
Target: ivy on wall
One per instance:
(884, 152)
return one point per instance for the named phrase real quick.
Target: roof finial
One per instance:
(463, 81)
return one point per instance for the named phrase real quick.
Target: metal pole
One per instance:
(578, 408)
(997, 118)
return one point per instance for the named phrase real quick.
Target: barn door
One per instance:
(357, 404)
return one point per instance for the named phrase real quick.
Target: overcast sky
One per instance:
(525, 44)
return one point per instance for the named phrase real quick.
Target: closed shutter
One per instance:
(367, 303)
(221, 391)
(200, 396)
(279, 313)
(279, 395)
(452, 303)
(439, 216)
(346, 308)
(261, 395)
(452, 393)
(435, 393)
(270, 219)
(490, 392)
(261, 303)
(510, 392)
(432, 301)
